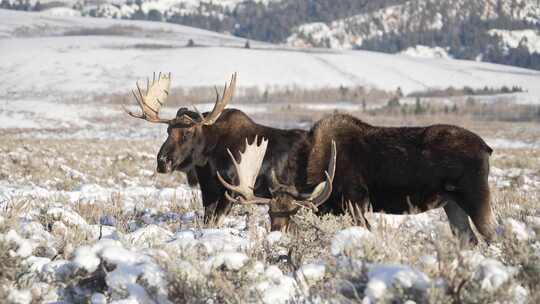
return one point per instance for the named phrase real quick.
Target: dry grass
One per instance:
(254, 95)
(67, 164)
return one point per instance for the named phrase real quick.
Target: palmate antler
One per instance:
(151, 101)
(247, 170)
(156, 95)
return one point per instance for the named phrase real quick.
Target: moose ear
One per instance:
(181, 112)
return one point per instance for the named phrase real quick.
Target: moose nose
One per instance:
(164, 165)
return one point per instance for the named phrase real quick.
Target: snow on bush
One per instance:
(134, 275)
(148, 236)
(226, 260)
(276, 287)
(24, 247)
(382, 277)
(311, 272)
(518, 229)
(489, 273)
(349, 240)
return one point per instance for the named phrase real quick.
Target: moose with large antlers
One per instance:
(286, 200)
(198, 142)
(396, 171)
(391, 170)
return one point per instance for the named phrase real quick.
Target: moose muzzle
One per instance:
(164, 165)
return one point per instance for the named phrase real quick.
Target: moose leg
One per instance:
(478, 206)
(213, 195)
(476, 200)
(459, 222)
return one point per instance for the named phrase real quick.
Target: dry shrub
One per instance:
(11, 267)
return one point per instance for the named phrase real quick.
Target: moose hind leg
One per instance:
(459, 222)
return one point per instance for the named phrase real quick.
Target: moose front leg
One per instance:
(459, 222)
(213, 195)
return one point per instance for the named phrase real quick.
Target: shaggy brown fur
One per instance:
(202, 151)
(400, 170)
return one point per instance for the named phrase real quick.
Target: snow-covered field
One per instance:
(95, 225)
(83, 217)
(85, 56)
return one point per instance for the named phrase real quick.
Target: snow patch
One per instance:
(349, 240)
(422, 51)
(382, 277)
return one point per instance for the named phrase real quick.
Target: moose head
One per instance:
(185, 143)
(286, 200)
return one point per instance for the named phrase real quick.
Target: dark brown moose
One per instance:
(399, 170)
(285, 200)
(197, 142)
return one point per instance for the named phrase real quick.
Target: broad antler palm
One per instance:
(247, 170)
(156, 95)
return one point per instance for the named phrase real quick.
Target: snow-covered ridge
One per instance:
(125, 9)
(422, 51)
(411, 16)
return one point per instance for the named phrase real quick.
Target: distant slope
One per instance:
(18, 24)
(497, 31)
(88, 64)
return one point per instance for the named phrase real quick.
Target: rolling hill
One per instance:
(86, 56)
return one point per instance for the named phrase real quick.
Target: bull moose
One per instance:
(197, 142)
(285, 200)
(392, 170)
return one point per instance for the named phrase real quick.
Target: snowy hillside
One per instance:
(414, 15)
(125, 9)
(530, 39)
(96, 56)
(17, 24)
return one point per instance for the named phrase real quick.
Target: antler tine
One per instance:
(136, 97)
(247, 170)
(139, 101)
(151, 101)
(322, 192)
(140, 91)
(320, 198)
(220, 104)
(217, 94)
(230, 187)
(198, 114)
